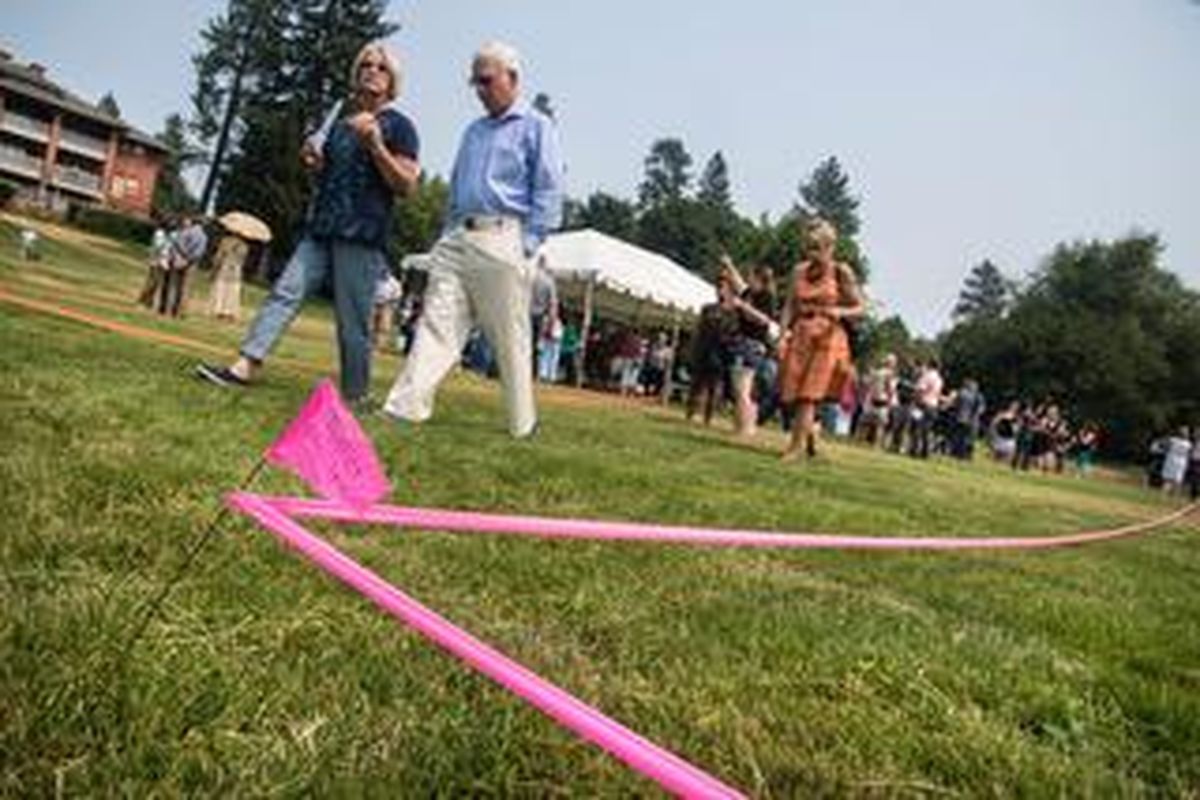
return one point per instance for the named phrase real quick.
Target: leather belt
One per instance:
(487, 222)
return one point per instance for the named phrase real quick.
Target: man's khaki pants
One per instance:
(476, 276)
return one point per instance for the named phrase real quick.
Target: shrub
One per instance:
(8, 190)
(116, 224)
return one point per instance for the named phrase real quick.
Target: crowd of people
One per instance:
(487, 301)
(183, 244)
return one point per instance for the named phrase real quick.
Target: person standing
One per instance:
(543, 310)
(363, 159)
(879, 398)
(816, 351)
(754, 301)
(505, 195)
(1178, 453)
(187, 249)
(928, 400)
(225, 294)
(156, 266)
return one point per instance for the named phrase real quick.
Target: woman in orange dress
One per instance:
(815, 358)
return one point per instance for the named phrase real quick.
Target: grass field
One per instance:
(1058, 673)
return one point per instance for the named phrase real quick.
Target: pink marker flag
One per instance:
(327, 448)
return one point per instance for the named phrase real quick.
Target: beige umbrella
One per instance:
(245, 225)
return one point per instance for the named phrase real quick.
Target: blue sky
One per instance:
(970, 130)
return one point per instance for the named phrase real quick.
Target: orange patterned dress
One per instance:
(817, 359)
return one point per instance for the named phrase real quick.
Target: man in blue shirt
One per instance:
(186, 251)
(505, 196)
(362, 159)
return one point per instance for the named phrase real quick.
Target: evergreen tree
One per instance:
(985, 293)
(826, 194)
(171, 194)
(605, 213)
(243, 52)
(713, 190)
(1103, 331)
(666, 174)
(108, 104)
(418, 220)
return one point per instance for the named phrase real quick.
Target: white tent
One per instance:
(626, 283)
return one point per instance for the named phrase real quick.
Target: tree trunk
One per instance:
(231, 110)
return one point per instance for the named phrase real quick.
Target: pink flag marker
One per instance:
(669, 770)
(327, 448)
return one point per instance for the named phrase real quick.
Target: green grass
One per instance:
(1061, 673)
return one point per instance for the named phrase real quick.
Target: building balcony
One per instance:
(79, 180)
(28, 127)
(83, 144)
(14, 159)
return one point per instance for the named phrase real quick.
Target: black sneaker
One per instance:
(221, 376)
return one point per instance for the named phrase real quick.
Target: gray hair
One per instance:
(499, 53)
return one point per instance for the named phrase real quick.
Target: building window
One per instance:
(123, 186)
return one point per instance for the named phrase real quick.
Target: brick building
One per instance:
(59, 148)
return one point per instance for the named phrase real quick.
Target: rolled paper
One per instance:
(662, 766)
(549, 527)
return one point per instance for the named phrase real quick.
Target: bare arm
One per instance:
(400, 172)
(850, 300)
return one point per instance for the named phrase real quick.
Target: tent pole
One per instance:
(670, 365)
(584, 330)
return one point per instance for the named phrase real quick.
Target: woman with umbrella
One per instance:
(225, 292)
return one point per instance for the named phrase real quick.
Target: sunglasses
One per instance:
(481, 81)
(378, 66)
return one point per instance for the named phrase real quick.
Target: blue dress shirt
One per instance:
(510, 165)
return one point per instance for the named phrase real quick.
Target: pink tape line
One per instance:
(667, 769)
(444, 520)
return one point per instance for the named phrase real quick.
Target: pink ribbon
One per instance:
(547, 527)
(667, 769)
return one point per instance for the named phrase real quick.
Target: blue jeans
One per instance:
(355, 269)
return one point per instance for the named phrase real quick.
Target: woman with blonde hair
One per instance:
(362, 158)
(816, 361)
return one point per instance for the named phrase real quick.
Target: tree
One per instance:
(1100, 329)
(713, 190)
(984, 295)
(605, 213)
(666, 173)
(826, 194)
(171, 194)
(243, 46)
(108, 104)
(417, 222)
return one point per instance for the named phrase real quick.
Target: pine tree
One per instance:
(714, 184)
(666, 178)
(985, 293)
(243, 54)
(826, 194)
(108, 104)
(171, 194)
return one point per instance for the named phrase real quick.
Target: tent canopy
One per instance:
(631, 285)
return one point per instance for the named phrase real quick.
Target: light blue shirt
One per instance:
(510, 165)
